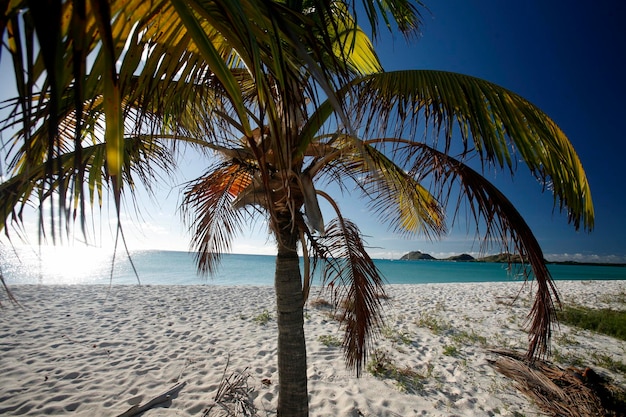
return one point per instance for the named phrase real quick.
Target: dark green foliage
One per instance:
(606, 321)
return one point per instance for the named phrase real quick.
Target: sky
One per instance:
(566, 57)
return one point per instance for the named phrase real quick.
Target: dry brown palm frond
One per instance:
(208, 209)
(561, 392)
(503, 224)
(357, 284)
(232, 397)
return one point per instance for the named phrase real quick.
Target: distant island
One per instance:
(498, 258)
(417, 256)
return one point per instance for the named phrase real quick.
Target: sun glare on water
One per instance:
(66, 265)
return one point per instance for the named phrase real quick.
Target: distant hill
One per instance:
(502, 258)
(420, 256)
(416, 256)
(464, 257)
(499, 258)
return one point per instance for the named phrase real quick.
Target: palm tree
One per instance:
(265, 87)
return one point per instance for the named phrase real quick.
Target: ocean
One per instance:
(95, 266)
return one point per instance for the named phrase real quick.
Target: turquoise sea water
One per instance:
(178, 268)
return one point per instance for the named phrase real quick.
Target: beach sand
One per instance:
(91, 351)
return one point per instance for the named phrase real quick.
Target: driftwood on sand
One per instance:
(159, 399)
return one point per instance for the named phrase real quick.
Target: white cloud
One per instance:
(585, 257)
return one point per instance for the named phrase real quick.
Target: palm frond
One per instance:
(397, 198)
(212, 56)
(311, 204)
(350, 44)
(490, 120)
(114, 121)
(504, 224)
(400, 200)
(347, 265)
(144, 159)
(157, 43)
(7, 291)
(405, 14)
(208, 209)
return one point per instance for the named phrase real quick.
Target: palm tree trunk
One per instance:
(293, 398)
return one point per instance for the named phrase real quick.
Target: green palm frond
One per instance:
(398, 199)
(491, 121)
(114, 120)
(157, 43)
(405, 14)
(31, 184)
(350, 44)
(211, 55)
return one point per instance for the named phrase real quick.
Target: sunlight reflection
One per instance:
(59, 265)
(75, 265)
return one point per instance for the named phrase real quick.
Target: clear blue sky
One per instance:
(566, 57)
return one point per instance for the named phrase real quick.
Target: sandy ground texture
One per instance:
(94, 351)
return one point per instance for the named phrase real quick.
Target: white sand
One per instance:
(82, 351)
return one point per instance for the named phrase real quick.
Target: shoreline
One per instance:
(88, 350)
(170, 268)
